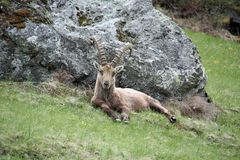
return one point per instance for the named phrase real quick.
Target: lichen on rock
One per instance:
(164, 62)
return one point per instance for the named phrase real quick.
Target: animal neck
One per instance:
(108, 93)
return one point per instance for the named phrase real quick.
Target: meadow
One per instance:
(59, 123)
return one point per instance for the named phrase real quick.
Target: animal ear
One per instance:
(119, 68)
(96, 65)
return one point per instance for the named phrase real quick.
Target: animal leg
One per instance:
(156, 106)
(124, 114)
(105, 108)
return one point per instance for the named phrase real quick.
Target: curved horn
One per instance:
(102, 56)
(119, 54)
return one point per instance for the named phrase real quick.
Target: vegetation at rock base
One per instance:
(219, 18)
(52, 121)
(198, 5)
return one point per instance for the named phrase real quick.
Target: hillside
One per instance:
(52, 121)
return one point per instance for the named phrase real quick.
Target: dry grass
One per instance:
(194, 107)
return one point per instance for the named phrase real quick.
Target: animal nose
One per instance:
(106, 83)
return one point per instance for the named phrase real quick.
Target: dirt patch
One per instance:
(188, 128)
(194, 107)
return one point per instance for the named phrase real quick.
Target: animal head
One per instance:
(106, 74)
(107, 71)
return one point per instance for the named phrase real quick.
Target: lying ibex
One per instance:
(123, 100)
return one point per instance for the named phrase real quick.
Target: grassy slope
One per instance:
(42, 126)
(222, 63)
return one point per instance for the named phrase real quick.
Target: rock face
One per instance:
(164, 62)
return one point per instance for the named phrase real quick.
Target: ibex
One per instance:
(123, 100)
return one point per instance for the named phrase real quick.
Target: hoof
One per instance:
(126, 121)
(173, 119)
(118, 120)
(124, 117)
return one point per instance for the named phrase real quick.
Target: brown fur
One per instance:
(123, 100)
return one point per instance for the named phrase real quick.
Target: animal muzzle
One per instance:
(106, 85)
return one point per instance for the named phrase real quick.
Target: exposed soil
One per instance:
(194, 107)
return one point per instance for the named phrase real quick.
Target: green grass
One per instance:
(221, 60)
(59, 123)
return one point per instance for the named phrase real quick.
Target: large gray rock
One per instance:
(164, 62)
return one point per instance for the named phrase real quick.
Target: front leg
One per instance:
(103, 105)
(124, 114)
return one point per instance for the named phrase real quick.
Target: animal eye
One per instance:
(101, 72)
